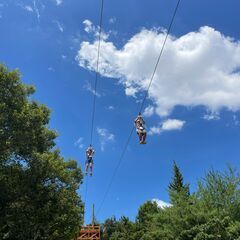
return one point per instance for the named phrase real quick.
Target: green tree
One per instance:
(212, 212)
(38, 197)
(146, 212)
(177, 189)
(220, 191)
(118, 230)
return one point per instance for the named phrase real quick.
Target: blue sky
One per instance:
(193, 111)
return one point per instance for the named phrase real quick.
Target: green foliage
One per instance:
(146, 212)
(38, 197)
(177, 189)
(211, 213)
(23, 123)
(118, 230)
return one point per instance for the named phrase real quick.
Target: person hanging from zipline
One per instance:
(140, 128)
(89, 161)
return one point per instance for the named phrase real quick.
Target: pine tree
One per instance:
(177, 187)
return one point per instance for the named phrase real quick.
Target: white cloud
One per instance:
(172, 124)
(60, 26)
(28, 8)
(167, 125)
(155, 130)
(90, 28)
(197, 69)
(210, 116)
(162, 204)
(149, 111)
(112, 20)
(111, 107)
(51, 69)
(89, 88)
(64, 57)
(79, 143)
(105, 137)
(25, 7)
(58, 2)
(236, 120)
(35, 7)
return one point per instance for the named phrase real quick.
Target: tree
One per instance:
(177, 188)
(118, 230)
(38, 197)
(212, 212)
(220, 191)
(146, 212)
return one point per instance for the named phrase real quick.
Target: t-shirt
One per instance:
(90, 152)
(139, 122)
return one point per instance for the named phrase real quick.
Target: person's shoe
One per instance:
(144, 142)
(140, 142)
(90, 174)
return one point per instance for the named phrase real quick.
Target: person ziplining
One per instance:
(89, 162)
(139, 124)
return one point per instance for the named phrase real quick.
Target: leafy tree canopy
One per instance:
(38, 197)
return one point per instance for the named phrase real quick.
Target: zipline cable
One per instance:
(95, 89)
(97, 74)
(141, 108)
(160, 55)
(115, 171)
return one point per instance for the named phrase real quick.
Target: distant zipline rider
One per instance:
(89, 162)
(140, 128)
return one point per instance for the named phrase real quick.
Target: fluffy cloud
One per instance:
(197, 69)
(161, 203)
(58, 2)
(79, 143)
(88, 26)
(211, 116)
(167, 125)
(105, 137)
(28, 8)
(172, 124)
(149, 111)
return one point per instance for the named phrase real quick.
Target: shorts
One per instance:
(139, 131)
(89, 160)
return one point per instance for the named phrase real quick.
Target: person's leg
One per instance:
(139, 136)
(91, 168)
(86, 167)
(144, 137)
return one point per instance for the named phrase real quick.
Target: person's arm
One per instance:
(135, 122)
